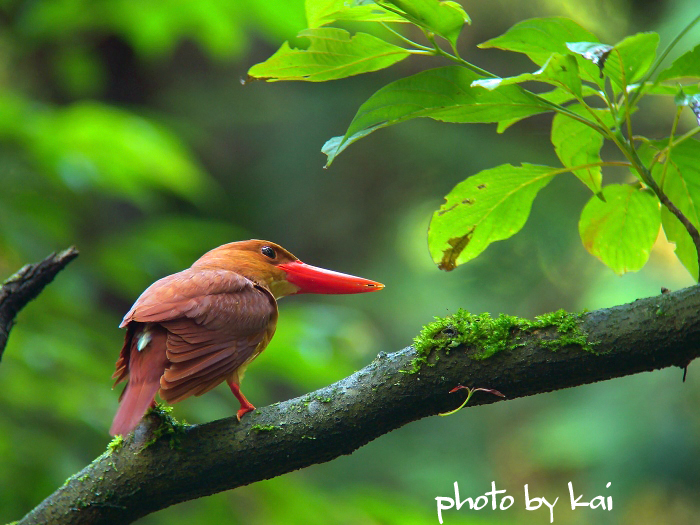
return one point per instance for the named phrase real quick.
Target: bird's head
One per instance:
(270, 265)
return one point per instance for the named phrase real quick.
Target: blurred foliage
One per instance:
(124, 130)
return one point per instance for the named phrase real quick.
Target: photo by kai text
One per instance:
(500, 500)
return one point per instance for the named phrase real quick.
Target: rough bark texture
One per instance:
(25, 285)
(147, 473)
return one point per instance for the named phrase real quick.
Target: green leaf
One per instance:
(679, 178)
(685, 66)
(577, 144)
(538, 38)
(444, 18)
(666, 89)
(559, 70)
(637, 53)
(489, 206)
(621, 230)
(442, 94)
(322, 12)
(332, 54)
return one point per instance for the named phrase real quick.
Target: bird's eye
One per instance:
(268, 252)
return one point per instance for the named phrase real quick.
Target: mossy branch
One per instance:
(25, 285)
(142, 475)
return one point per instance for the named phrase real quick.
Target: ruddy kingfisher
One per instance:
(194, 329)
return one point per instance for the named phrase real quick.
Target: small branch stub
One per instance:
(25, 285)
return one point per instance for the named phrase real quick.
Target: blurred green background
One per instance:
(125, 130)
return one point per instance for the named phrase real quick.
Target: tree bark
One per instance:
(160, 464)
(25, 285)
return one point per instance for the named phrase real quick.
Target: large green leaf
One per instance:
(685, 66)
(538, 38)
(637, 53)
(489, 206)
(621, 230)
(577, 144)
(442, 94)
(559, 70)
(332, 54)
(679, 178)
(322, 12)
(444, 18)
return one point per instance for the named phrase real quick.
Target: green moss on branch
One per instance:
(488, 336)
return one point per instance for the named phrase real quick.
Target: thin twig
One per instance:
(25, 285)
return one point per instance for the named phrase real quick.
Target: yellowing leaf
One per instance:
(489, 206)
(621, 230)
(678, 175)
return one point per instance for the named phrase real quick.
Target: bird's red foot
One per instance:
(246, 406)
(244, 410)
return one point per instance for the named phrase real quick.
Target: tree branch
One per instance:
(25, 285)
(160, 465)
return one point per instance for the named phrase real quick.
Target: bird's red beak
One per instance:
(311, 279)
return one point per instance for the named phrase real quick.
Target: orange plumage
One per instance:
(192, 330)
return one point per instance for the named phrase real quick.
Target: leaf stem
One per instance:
(663, 56)
(600, 164)
(671, 144)
(437, 50)
(668, 148)
(686, 136)
(628, 108)
(404, 38)
(648, 179)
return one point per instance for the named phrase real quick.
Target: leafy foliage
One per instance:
(597, 89)
(332, 54)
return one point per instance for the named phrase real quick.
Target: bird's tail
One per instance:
(135, 401)
(144, 360)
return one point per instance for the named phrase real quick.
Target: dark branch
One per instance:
(687, 224)
(25, 285)
(137, 479)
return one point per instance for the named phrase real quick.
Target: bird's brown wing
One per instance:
(217, 321)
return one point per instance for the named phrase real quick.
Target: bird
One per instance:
(192, 330)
